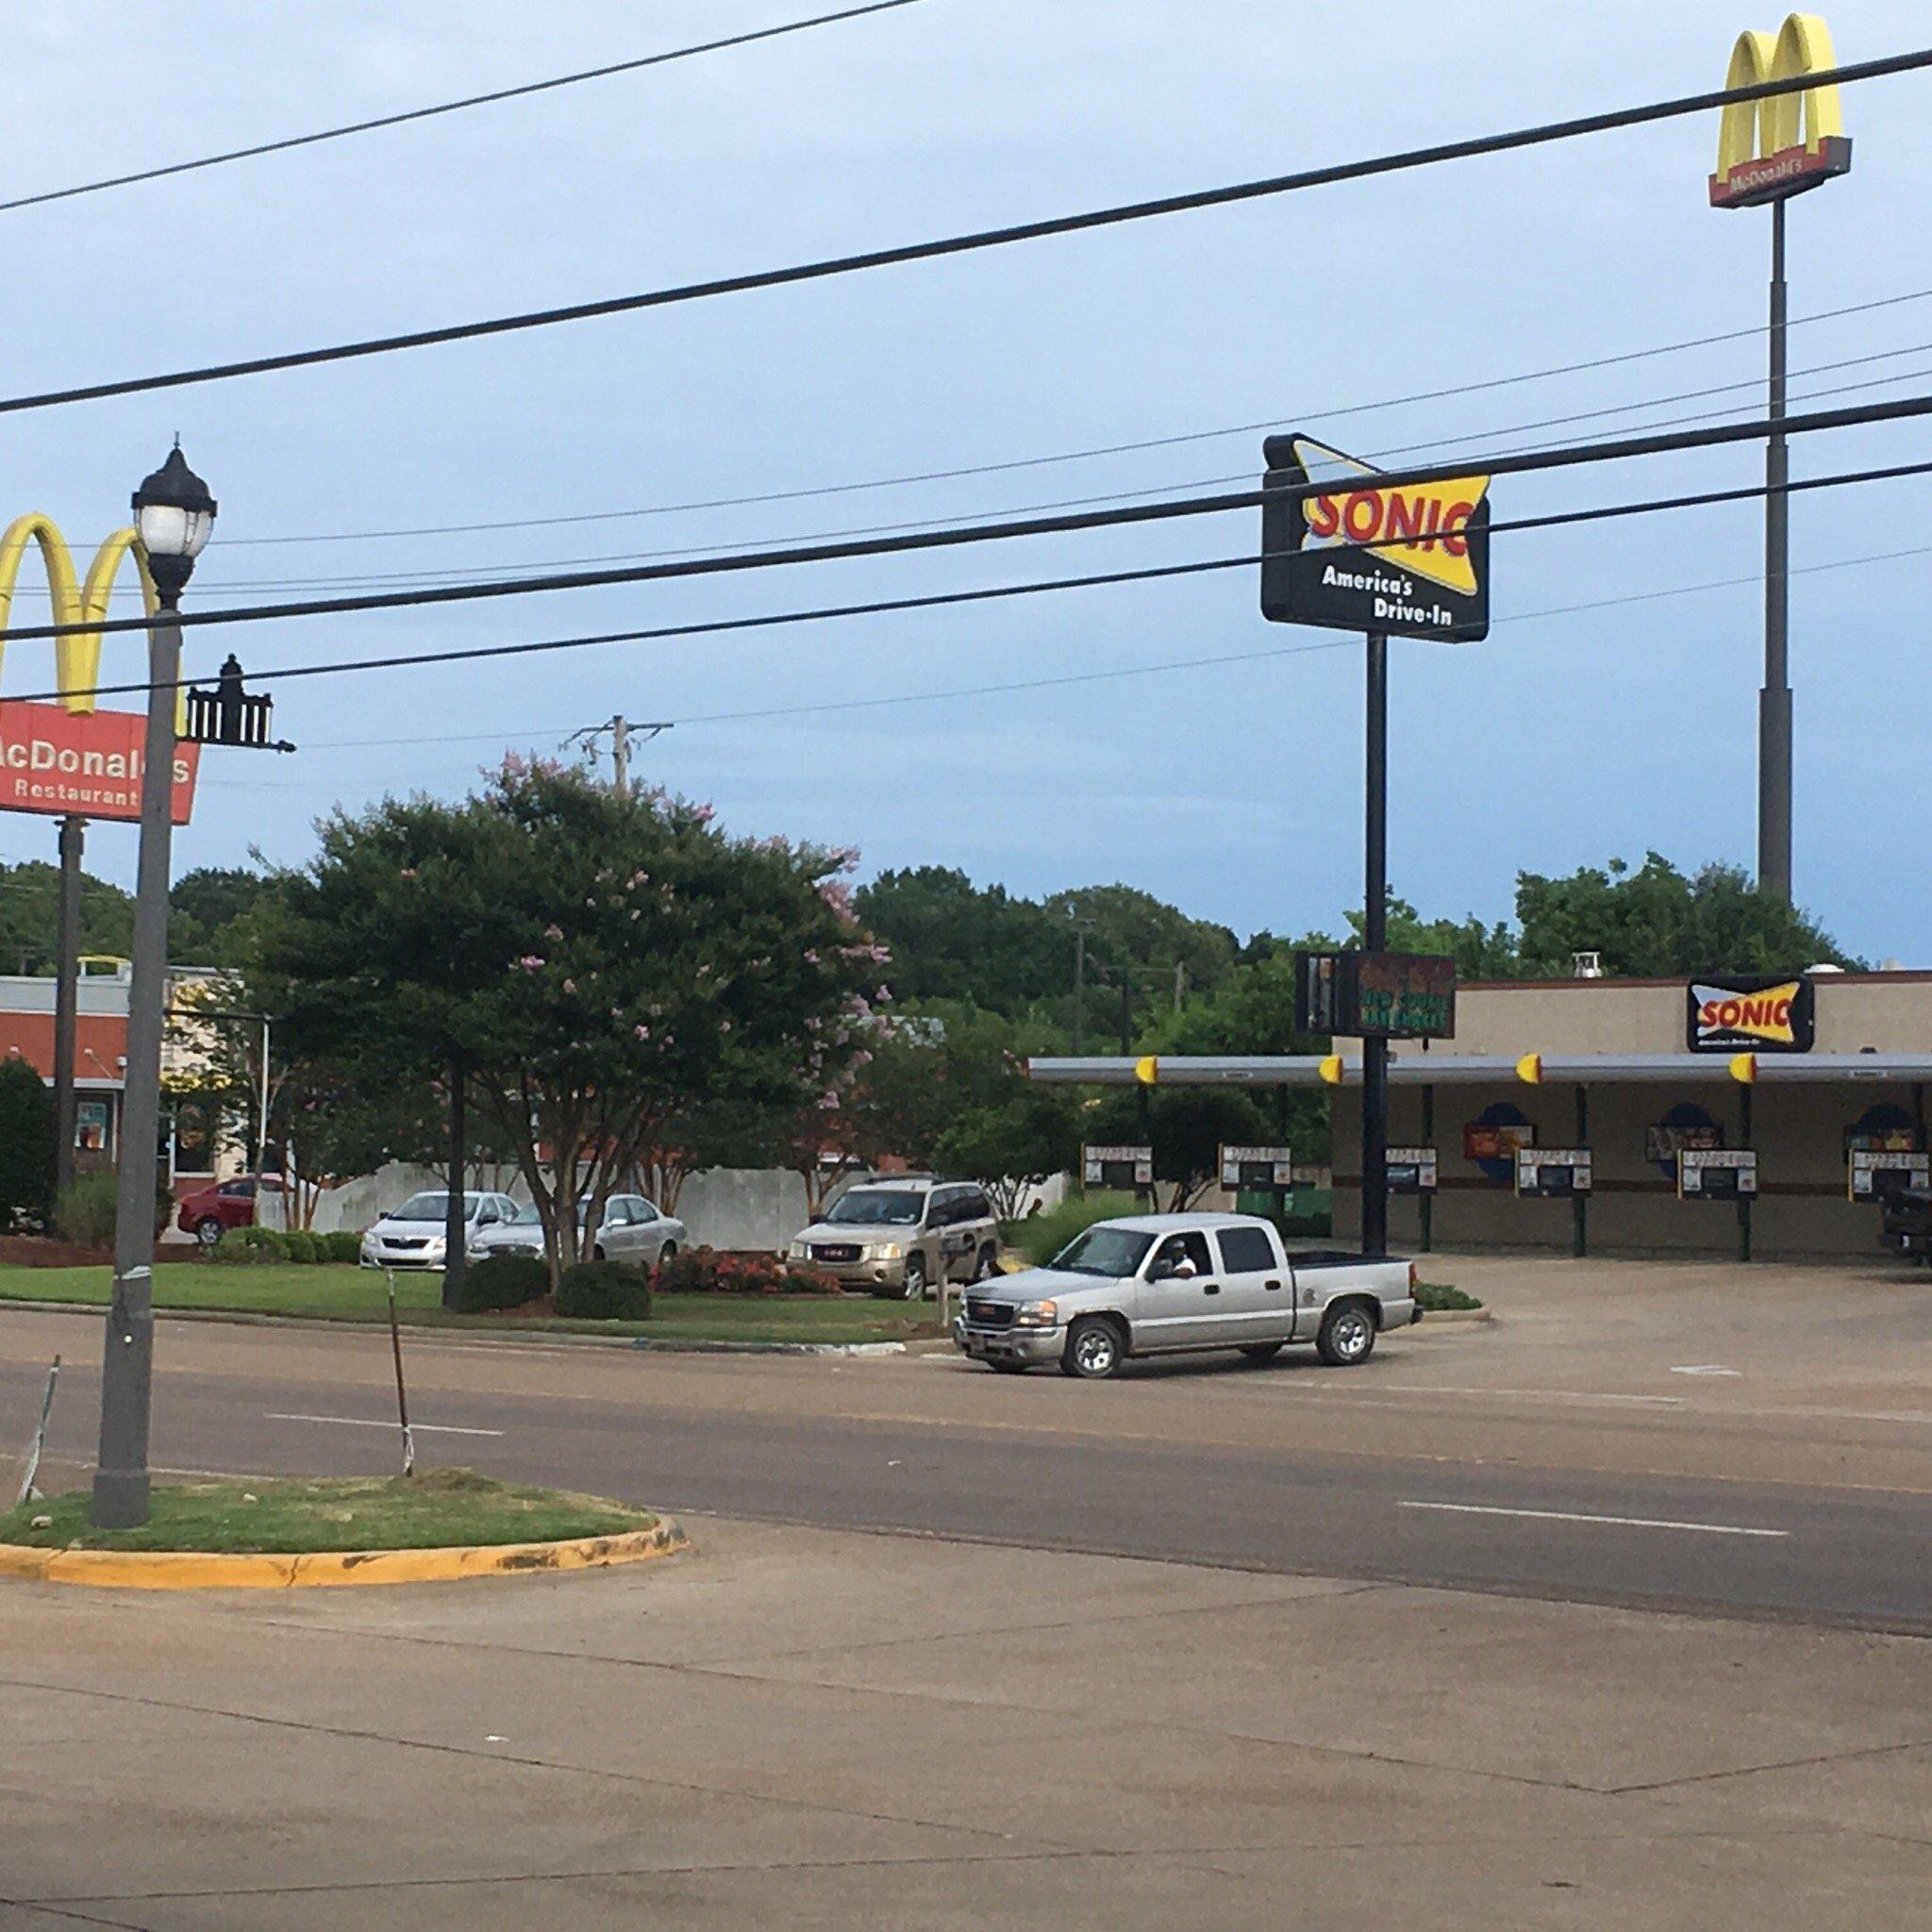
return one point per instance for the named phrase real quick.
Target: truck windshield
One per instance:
(1102, 1250)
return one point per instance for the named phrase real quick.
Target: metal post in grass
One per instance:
(395, 1343)
(27, 1491)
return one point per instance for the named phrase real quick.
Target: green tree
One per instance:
(26, 1147)
(1011, 1145)
(951, 939)
(29, 900)
(1133, 932)
(597, 965)
(1657, 922)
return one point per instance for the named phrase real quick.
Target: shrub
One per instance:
(301, 1245)
(603, 1292)
(705, 1271)
(1040, 1237)
(1438, 1297)
(251, 1245)
(344, 1244)
(26, 1146)
(85, 1212)
(502, 1281)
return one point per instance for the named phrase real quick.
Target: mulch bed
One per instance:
(38, 1251)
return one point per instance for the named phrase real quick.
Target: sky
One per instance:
(1611, 710)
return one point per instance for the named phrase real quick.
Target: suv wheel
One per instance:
(207, 1230)
(915, 1277)
(1095, 1349)
(1347, 1335)
(989, 1263)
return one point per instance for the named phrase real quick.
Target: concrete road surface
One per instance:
(808, 1729)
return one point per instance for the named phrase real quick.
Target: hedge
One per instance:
(501, 1281)
(603, 1292)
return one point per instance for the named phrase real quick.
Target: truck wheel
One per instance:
(1263, 1350)
(207, 1230)
(1347, 1335)
(1094, 1350)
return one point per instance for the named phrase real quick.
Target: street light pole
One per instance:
(173, 514)
(1774, 699)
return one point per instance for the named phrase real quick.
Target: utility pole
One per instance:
(621, 731)
(66, 998)
(1079, 990)
(174, 515)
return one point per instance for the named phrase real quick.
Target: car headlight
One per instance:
(799, 1252)
(886, 1251)
(1036, 1315)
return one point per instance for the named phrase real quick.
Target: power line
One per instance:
(505, 573)
(503, 94)
(1345, 641)
(1526, 462)
(1110, 449)
(827, 267)
(938, 599)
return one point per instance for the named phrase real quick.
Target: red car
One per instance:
(227, 1204)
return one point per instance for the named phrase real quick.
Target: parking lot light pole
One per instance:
(1374, 936)
(173, 515)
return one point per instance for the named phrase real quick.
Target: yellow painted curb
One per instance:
(199, 1570)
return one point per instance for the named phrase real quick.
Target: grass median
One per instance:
(341, 1294)
(442, 1508)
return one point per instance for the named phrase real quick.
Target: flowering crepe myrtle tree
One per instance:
(596, 963)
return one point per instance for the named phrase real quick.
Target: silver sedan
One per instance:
(632, 1231)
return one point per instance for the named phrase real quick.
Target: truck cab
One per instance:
(1168, 1284)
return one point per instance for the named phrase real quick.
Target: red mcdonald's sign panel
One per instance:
(59, 761)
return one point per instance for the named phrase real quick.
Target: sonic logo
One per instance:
(1780, 145)
(1422, 527)
(1770, 1017)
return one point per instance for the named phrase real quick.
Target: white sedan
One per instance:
(632, 1231)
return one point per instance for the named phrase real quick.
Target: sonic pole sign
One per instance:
(1345, 548)
(1768, 151)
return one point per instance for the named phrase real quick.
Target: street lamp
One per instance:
(173, 517)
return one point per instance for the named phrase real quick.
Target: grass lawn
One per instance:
(342, 1293)
(436, 1509)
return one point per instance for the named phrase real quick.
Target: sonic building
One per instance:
(1734, 1118)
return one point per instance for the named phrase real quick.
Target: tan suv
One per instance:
(903, 1234)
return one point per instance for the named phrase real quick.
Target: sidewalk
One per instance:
(807, 1729)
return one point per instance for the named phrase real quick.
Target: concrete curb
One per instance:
(1432, 1316)
(673, 1347)
(206, 1570)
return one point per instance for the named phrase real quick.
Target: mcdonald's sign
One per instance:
(69, 757)
(1781, 145)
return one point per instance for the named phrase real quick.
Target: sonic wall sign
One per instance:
(1405, 559)
(1750, 1016)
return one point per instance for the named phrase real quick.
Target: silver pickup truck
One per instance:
(1160, 1284)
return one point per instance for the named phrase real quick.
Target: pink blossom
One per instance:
(644, 1032)
(811, 957)
(530, 962)
(570, 986)
(409, 872)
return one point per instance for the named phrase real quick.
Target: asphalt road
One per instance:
(1408, 1469)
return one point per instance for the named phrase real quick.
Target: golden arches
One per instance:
(1751, 129)
(78, 655)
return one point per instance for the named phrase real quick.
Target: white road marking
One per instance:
(1584, 1395)
(1576, 1516)
(358, 1422)
(1707, 1369)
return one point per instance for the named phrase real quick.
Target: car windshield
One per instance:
(528, 1216)
(426, 1207)
(1101, 1250)
(876, 1208)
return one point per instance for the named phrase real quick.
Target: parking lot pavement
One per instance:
(820, 1728)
